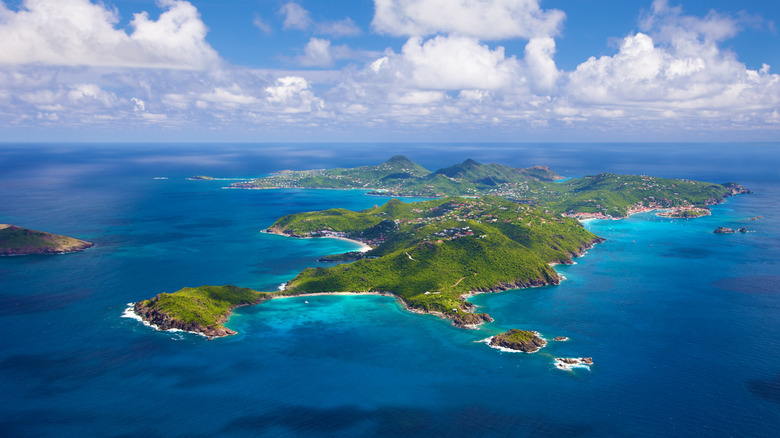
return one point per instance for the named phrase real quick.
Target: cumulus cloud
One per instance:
(293, 94)
(448, 63)
(542, 71)
(81, 33)
(482, 19)
(673, 72)
(676, 67)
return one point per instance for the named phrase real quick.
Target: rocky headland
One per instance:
(22, 241)
(202, 310)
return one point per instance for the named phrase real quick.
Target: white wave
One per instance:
(570, 366)
(130, 313)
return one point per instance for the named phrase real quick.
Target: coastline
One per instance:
(130, 312)
(668, 212)
(473, 322)
(364, 247)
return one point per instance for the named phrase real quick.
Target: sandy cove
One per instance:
(363, 246)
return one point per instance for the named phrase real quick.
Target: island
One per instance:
(518, 340)
(15, 241)
(602, 196)
(489, 228)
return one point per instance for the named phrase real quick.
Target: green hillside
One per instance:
(602, 195)
(431, 253)
(197, 309)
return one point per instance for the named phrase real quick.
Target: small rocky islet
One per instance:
(726, 230)
(519, 340)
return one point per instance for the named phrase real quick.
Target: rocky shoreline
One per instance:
(569, 363)
(162, 321)
(518, 340)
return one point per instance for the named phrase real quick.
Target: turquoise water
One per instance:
(681, 323)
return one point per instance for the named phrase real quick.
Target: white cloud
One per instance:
(674, 73)
(482, 19)
(140, 105)
(292, 94)
(316, 54)
(298, 18)
(417, 97)
(84, 93)
(81, 33)
(261, 24)
(295, 16)
(448, 63)
(232, 96)
(320, 52)
(668, 23)
(677, 67)
(340, 28)
(543, 73)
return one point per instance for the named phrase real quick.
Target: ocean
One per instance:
(682, 324)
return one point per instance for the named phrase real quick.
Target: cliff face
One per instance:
(22, 241)
(164, 321)
(736, 189)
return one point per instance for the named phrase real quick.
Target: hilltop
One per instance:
(22, 241)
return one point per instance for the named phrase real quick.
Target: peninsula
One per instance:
(502, 228)
(22, 241)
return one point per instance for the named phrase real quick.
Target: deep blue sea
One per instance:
(682, 324)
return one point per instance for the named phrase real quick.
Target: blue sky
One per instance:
(389, 70)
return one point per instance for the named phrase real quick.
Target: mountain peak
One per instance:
(399, 160)
(471, 163)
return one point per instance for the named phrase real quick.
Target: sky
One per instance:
(389, 70)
